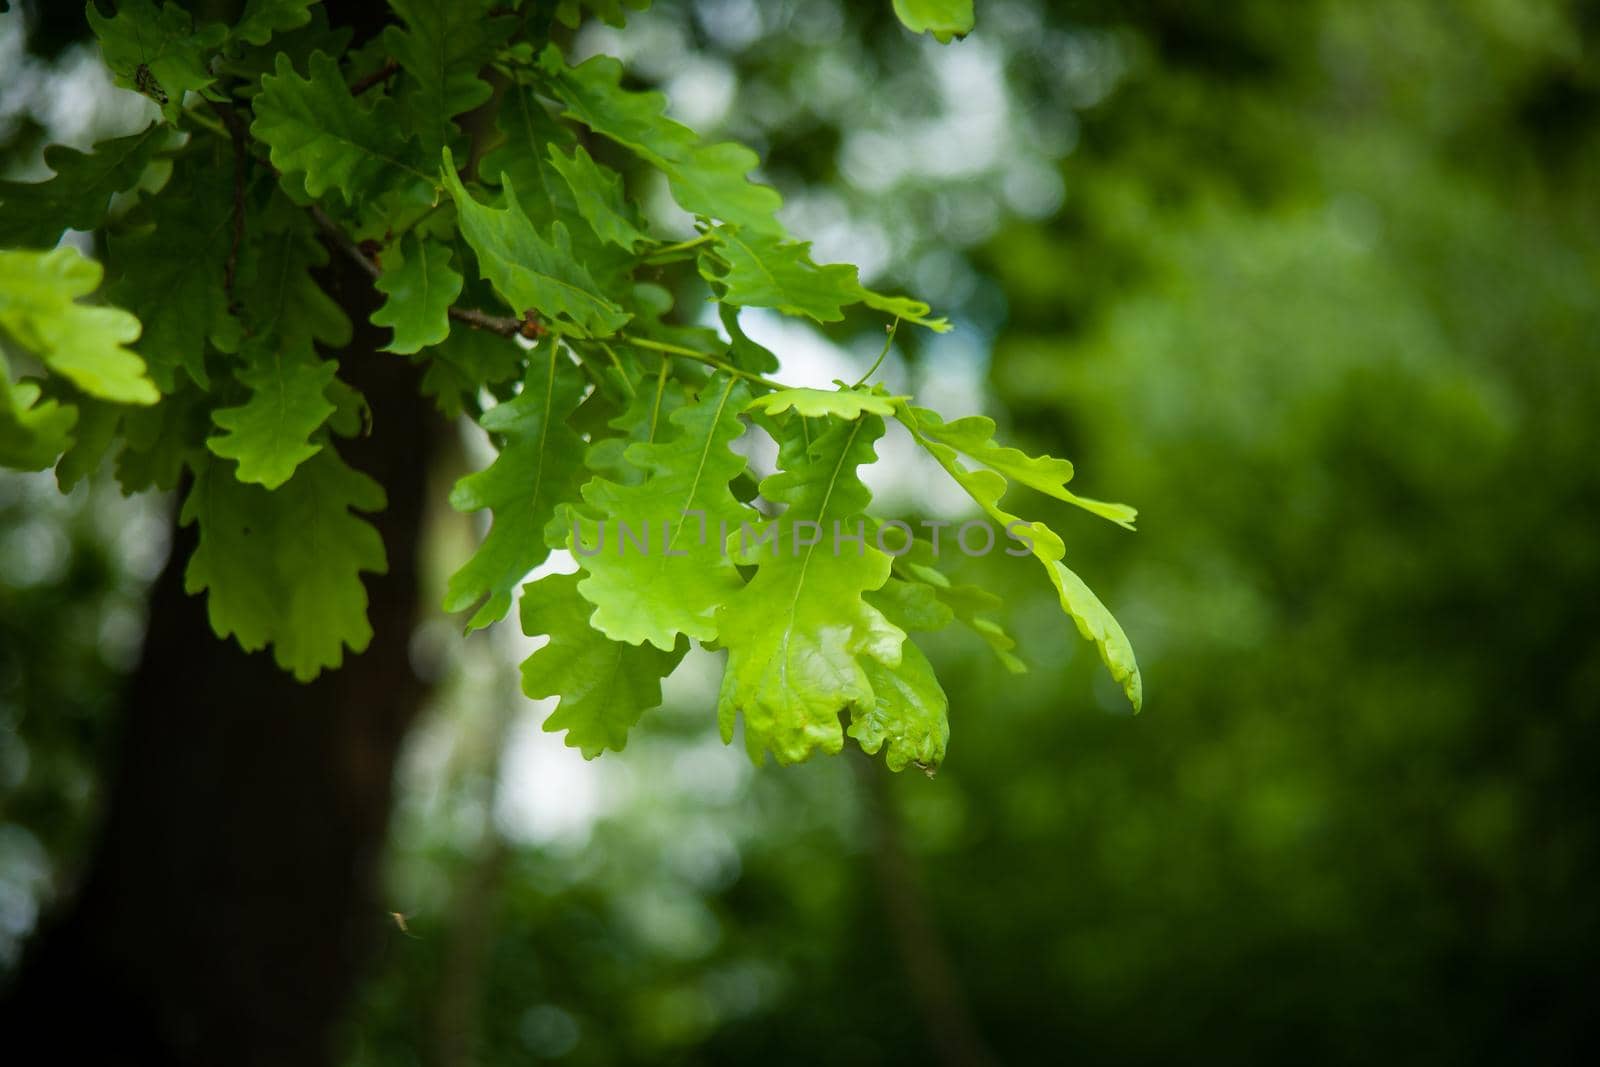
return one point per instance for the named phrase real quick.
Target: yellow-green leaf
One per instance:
(39, 310)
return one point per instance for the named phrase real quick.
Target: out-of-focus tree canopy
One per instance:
(1315, 287)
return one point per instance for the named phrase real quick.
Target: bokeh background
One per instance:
(1317, 288)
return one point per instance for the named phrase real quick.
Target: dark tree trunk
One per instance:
(232, 900)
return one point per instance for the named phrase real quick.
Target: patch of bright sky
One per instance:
(72, 96)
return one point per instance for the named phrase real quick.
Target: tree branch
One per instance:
(382, 74)
(236, 134)
(503, 325)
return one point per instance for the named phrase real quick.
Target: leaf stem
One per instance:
(236, 133)
(382, 74)
(887, 341)
(617, 363)
(344, 242)
(206, 123)
(700, 357)
(670, 253)
(503, 325)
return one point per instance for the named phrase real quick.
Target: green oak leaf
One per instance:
(974, 437)
(527, 131)
(971, 605)
(33, 433)
(759, 270)
(532, 131)
(92, 440)
(709, 180)
(277, 295)
(35, 214)
(911, 605)
(314, 128)
(798, 634)
(945, 19)
(441, 48)
(528, 134)
(352, 415)
(676, 585)
(169, 271)
(270, 435)
(263, 18)
(82, 343)
(158, 441)
(907, 713)
(420, 285)
(815, 403)
(604, 686)
(648, 413)
(530, 271)
(1094, 622)
(298, 43)
(649, 325)
(611, 12)
(745, 353)
(463, 364)
(159, 53)
(536, 471)
(905, 309)
(597, 191)
(283, 567)
(908, 710)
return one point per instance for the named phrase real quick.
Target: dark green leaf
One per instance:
(532, 272)
(32, 432)
(708, 180)
(271, 434)
(284, 567)
(317, 130)
(35, 214)
(160, 54)
(442, 48)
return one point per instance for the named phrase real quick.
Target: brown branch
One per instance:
(504, 325)
(343, 243)
(236, 133)
(377, 77)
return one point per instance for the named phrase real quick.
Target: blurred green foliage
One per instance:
(73, 570)
(1320, 298)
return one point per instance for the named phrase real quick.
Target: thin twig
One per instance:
(887, 341)
(343, 242)
(503, 325)
(377, 77)
(670, 253)
(701, 357)
(528, 326)
(622, 375)
(236, 134)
